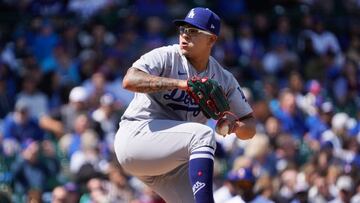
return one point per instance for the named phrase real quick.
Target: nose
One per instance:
(184, 35)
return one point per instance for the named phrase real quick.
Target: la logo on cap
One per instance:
(191, 14)
(201, 18)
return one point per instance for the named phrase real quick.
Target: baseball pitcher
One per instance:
(162, 137)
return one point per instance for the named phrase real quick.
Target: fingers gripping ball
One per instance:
(209, 95)
(226, 124)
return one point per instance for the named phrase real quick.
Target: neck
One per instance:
(199, 63)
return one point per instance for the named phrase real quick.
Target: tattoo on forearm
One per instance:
(146, 83)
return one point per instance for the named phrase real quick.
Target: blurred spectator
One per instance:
(249, 51)
(320, 122)
(47, 7)
(87, 63)
(5, 197)
(272, 129)
(279, 60)
(282, 33)
(95, 88)
(149, 196)
(51, 87)
(10, 80)
(36, 101)
(44, 40)
(262, 113)
(69, 38)
(73, 192)
(346, 88)
(147, 8)
(176, 8)
(6, 102)
(34, 195)
(63, 121)
(287, 188)
(353, 52)
(270, 90)
(154, 35)
(261, 28)
(110, 67)
(32, 170)
(96, 191)
(59, 195)
(337, 133)
(87, 152)
(233, 10)
(286, 152)
(106, 118)
(291, 119)
(344, 184)
(225, 192)
(356, 197)
(63, 64)
(86, 172)
(301, 189)
(100, 38)
(224, 49)
(296, 86)
(323, 40)
(87, 9)
(14, 52)
(259, 152)
(20, 126)
(243, 181)
(312, 99)
(119, 188)
(72, 142)
(263, 190)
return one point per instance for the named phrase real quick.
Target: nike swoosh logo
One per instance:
(180, 73)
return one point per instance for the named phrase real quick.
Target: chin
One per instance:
(184, 52)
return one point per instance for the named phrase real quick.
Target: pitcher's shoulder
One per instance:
(168, 49)
(163, 52)
(219, 69)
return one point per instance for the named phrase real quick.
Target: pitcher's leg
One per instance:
(201, 168)
(173, 187)
(163, 145)
(160, 146)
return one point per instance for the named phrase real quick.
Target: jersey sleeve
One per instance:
(152, 62)
(237, 100)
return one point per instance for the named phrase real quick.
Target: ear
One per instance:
(212, 40)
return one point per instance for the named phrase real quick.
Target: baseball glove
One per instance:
(208, 94)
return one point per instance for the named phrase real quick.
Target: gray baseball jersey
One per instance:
(176, 104)
(160, 132)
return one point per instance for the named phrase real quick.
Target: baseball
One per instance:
(222, 127)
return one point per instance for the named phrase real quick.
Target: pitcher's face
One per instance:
(194, 42)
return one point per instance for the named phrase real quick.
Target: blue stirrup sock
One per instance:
(201, 168)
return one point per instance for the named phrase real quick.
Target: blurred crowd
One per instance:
(61, 68)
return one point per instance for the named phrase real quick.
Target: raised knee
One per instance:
(203, 136)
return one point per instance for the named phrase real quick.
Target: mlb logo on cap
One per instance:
(202, 18)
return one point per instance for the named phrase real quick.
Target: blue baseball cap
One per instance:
(202, 18)
(242, 174)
